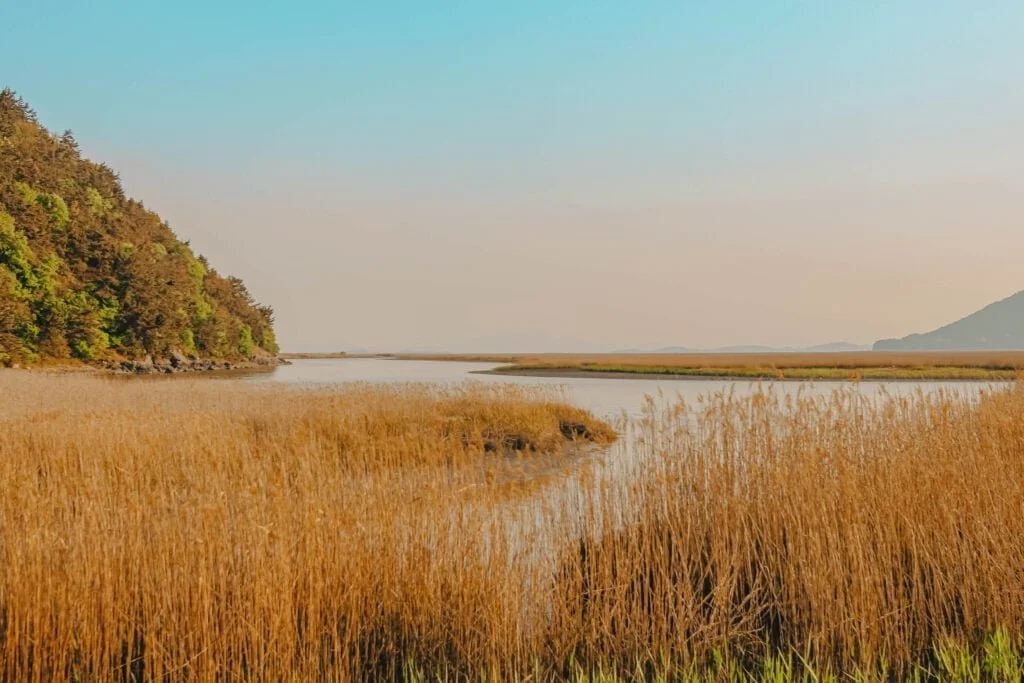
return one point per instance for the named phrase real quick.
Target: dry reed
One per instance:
(781, 359)
(197, 529)
(861, 536)
(192, 530)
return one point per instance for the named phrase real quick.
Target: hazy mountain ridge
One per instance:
(88, 273)
(996, 327)
(831, 347)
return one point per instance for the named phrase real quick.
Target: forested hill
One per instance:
(88, 273)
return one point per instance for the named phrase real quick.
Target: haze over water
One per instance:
(569, 176)
(608, 398)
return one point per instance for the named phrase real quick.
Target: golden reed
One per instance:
(197, 529)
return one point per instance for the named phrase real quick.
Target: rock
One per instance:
(177, 362)
(508, 442)
(263, 358)
(144, 366)
(135, 367)
(574, 430)
(516, 442)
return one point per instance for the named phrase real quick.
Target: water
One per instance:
(608, 398)
(593, 489)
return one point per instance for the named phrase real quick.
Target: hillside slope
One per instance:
(998, 326)
(88, 273)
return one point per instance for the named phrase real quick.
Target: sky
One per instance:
(570, 176)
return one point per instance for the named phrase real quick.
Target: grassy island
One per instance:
(986, 366)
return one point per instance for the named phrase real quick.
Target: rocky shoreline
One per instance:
(179, 363)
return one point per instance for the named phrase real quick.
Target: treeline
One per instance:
(88, 273)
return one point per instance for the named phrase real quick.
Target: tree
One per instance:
(87, 272)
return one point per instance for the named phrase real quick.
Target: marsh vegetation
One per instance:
(194, 530)
(985, 366)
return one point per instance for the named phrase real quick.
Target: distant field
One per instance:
(953, 365)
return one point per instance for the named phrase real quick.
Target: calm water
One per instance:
(608, 398)
(594, 487)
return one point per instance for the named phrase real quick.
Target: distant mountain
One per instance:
(837, 347)
(997, 327)
(750, 348)
(831, 347)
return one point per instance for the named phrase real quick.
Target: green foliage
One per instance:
(268, 341)
(47, 274)
(220, 345)
(196, 270)
(203, 308)
(1002, 657)
(97, 203)
(16, 254)
(53, 204)
(28, 195)
(57, 208)
(81, 349)
(188, 341)
(245, 342)
(17, 327)
(89, 273)
(957, 662)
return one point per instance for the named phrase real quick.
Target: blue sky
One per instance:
(461, 168)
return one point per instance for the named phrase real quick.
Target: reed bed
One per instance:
(878, 539)
(197, 530)
(991, 360)
(985, 366)
(206, 529)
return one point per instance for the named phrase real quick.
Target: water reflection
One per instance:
(608, 398)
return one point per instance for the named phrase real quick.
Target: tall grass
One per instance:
(195, 530)
(856, 535)
(204, 529)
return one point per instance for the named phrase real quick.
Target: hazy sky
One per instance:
(560, 175)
